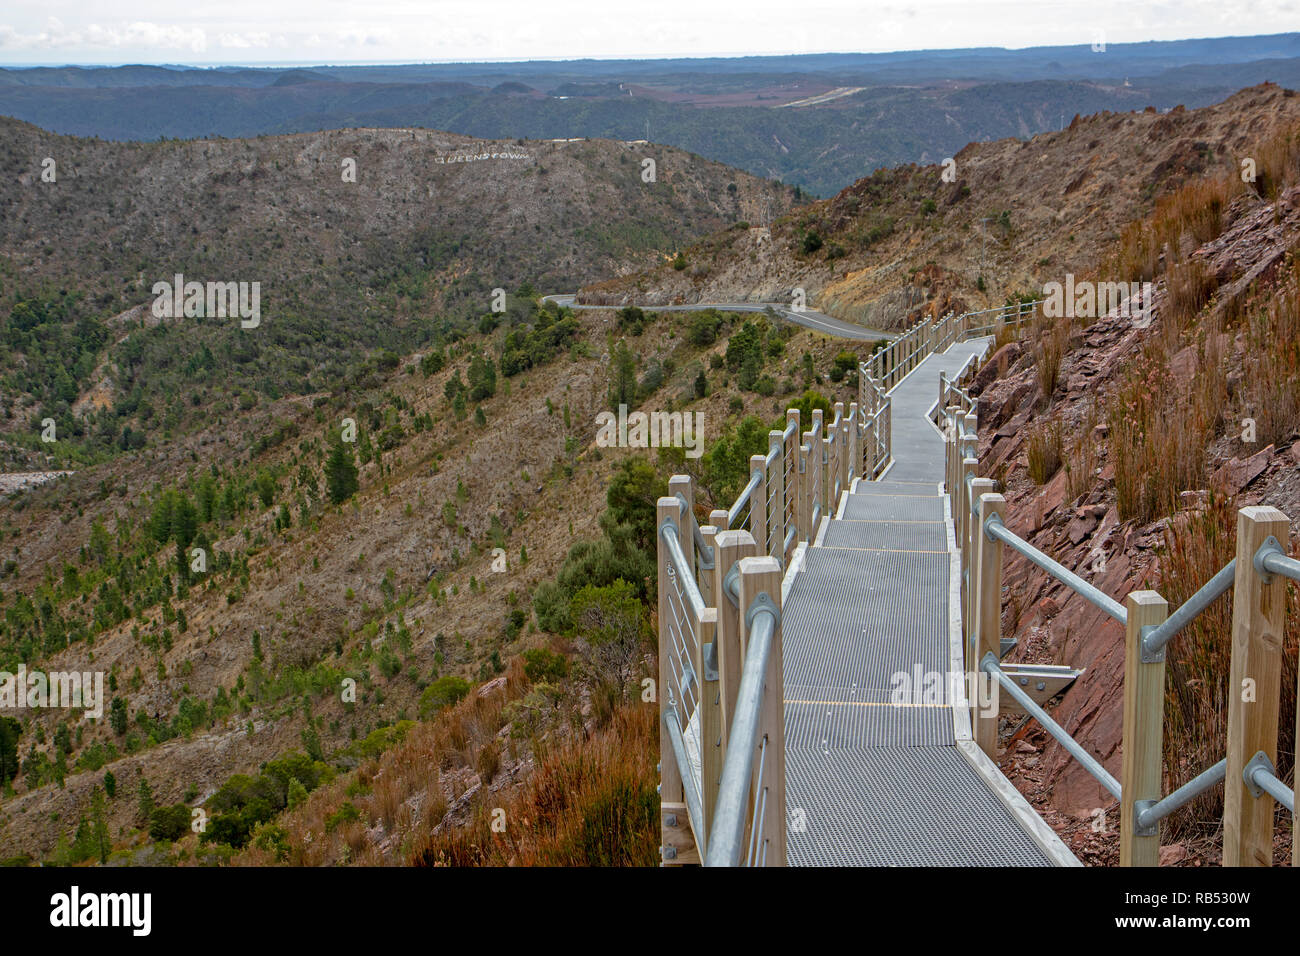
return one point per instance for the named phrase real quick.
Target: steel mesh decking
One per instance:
(888, 535)
(893, 508)
(870, 783)
(897, 806)
(922, 488)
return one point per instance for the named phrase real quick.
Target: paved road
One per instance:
(809, 319)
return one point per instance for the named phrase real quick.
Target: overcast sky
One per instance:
(333, 31)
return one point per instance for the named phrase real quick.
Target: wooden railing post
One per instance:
(1143, 734)
(798, 480)
(853, 463)
(776, 489)
(954, 456)
(758, 501)
(682, 485)
(674, 830)
(731, 547)
(1254, 688)
(986, 586)
(704, 578)
(972, 548)
(816, 466)
(762, 575)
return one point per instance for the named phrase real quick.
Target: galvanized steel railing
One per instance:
(894, 361)
(722, 773)
(1257, 577)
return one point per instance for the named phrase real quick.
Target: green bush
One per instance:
(169, 823)
(542, 666)
(443, 692)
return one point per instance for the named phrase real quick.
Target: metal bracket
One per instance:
(1148, 656)
(761, 603)
(705, 560)
(710, 654)
(1255, 763)
(1140, 807)
(669, 523)
(1270, 546)
(668, 852)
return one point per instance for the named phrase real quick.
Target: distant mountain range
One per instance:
(888, 108)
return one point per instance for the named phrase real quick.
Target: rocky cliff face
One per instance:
(1075, 517)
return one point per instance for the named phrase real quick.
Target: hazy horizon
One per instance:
(148, 32)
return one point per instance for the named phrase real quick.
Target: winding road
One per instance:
(808, 318)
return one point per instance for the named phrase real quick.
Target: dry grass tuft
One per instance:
(1198, 660)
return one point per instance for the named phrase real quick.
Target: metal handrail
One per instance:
(745, 495)
(994, 528)
(727, 839)
(1151, 812)
(1090, 763)
(1155, 639)
(1271, 559)
(691, 786)
(692, 589)
(1259, 775)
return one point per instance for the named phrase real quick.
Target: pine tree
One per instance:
(146, 804)
(341, 474)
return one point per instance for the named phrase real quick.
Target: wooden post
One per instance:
(986, 586)
(968, 505)
(816, 462)
(672, 795)
(853, 463)
(731, 547)
(758, 501)
(710, 715)
(954, 456)
(758, 576)
(1143, 735)
(682, 485)
(709, 534)
(943, 393)
(776, 489)
(972, 547)
(1254, 688)
(798, 477)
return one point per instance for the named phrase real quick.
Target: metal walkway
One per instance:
(870, 782)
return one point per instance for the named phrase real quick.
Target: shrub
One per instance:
(542, 666)
(443, 692)
(169, 823)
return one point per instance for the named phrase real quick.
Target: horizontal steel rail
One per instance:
(1154, 640)
(726, 842)
(1271, 559)
(744, 498)
(689, 585)
(694, 801)
(1259, 775)
(1151, 812)
(994, 528)
(1090, 763)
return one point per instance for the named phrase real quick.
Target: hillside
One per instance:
(197, 434)
(904, 242)
(816, 121)
(436, 660)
